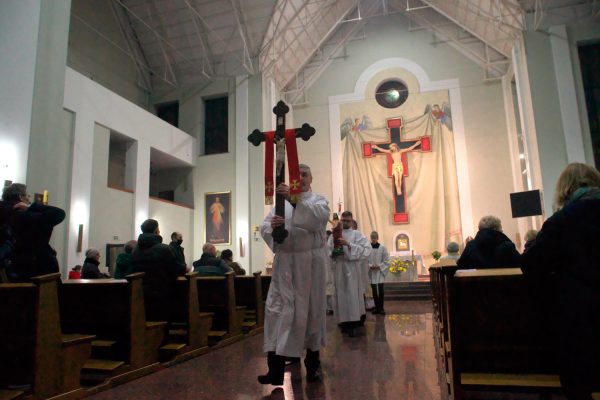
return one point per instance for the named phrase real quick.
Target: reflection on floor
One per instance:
(392, 357)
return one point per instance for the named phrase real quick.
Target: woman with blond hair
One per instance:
(562, 264)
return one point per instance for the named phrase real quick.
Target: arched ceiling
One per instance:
(185, 43)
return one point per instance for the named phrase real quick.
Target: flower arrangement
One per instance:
(436, 255)
(397, 265)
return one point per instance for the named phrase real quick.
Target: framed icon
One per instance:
(217, 218)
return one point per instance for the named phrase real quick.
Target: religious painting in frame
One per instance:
(217, 217)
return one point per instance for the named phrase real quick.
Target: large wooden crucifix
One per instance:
(282, 138)
(396, 151)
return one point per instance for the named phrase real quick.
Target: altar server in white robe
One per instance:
(349, 301)
(379, 263)
(295, 307)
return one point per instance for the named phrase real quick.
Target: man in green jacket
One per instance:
(123, 265)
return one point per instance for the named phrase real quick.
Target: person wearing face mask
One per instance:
(175, 245)
(349, 302)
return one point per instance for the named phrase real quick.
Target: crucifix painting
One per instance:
(397, 150)
(398, 163)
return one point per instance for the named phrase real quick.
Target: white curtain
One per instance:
(431, 186)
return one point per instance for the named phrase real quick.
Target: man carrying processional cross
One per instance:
(295, 306)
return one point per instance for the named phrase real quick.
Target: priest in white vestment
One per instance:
(349, 301)
(379, 264)
(295, 307)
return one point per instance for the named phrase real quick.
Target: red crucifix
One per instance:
(395, 148)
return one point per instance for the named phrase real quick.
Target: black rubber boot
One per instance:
(276, 366)
(312, 364)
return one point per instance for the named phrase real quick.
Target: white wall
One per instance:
(112, 224)
(214, 172)
(98, 50)
(180, 181)
(482, 107)
(173, 218)
(94, 105)
(19, 20)
(557, 115)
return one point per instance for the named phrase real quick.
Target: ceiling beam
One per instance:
(133, 44)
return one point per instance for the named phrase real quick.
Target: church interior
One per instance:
(428, 116)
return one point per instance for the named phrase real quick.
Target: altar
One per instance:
(413, 271)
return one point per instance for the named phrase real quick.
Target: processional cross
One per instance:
(397, 145)
(282, 138)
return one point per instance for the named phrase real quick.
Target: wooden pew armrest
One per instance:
(206, 314)
(155, 324)
(515, 380)
(75, 339)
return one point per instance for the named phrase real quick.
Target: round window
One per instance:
(391, 94)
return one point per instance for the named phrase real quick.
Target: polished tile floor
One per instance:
(392, 357)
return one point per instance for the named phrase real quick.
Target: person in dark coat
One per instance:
(159, 264)
(32, 226)
(209, 264)
(123, 264)
(227, 256)
(91, 264)
(562, 266)
(175, 245)
(490, 248)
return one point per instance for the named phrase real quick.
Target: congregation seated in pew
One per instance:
(91, 264)
(31, 228)
(561, 266)
(452, 248)
(161, 270)
(227, 256)
(209, 264)
(490, 248)
(124, 265)
(75, 272)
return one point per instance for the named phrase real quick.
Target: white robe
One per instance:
(295, 308)
(379, 257)
(349, 302)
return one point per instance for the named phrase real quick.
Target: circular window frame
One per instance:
(401, 87)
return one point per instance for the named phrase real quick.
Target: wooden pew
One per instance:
(216, 294)
(498, 339)
(32, 349)
(188, 335)
(439, 274)
(113, 310)
(248, 293)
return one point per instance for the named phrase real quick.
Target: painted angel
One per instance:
(442, 114)
(356, 126)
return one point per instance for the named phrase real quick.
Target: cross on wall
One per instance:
(373, 149)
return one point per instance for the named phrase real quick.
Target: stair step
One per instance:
(178, 332)
(102, 365)
(6, 394)
(248, 324)
(173, 346)
(103, 343)
(217, 334)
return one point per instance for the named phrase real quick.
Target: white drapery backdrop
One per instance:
(431, 186)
